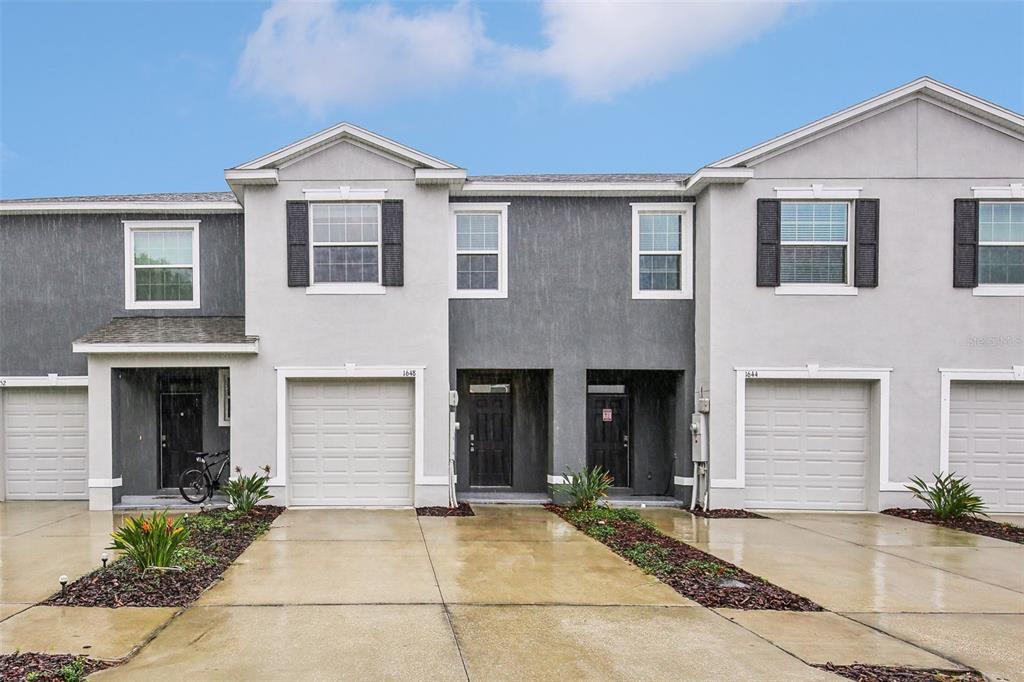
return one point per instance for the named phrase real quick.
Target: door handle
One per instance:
(472, 442)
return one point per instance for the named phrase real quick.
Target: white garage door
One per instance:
(46, 443)
(807, 444)
(986, 441)
(350, 442)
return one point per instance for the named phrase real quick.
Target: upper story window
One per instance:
(815, 243)
(479, 242)
(1000, 242)
(345, 243)
(662, 250)
(161, 264)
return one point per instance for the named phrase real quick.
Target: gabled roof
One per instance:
(927, 88)
(339, 133)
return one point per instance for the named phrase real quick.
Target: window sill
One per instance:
(161, 305)
(478, 293)
(999, 290)
(815, 290)
(346, 289)
(664, 295)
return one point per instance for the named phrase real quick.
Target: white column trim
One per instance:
(42, 381)
(948, 376)
(105, 482)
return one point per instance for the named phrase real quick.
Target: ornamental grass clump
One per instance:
(949, 497)
(585, 488)
(245, 492)
(151, 542)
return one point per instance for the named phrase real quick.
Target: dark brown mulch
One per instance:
(725, 513)
(883, 673)
(48, 666)
(219, 534)
(695, 574)
(462, 510)
(978, 526)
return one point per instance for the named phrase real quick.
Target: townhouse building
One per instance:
(802, 325)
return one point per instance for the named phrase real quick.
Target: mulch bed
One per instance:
(462, 510)
(692, 573)
(978, 526)
(219, 535)
(882, 673)
(49, 667)
(725, 514)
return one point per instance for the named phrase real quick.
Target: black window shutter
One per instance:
(965, 243)
(392, 228)
(298, 243)
(865, 254)
(769, 217)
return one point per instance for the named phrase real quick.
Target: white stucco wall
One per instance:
(916, 159)
(407, 326)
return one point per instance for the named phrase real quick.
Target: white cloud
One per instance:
(324, 53)
(320, 54)
(603, 48)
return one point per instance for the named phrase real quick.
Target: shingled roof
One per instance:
(170, 330)
(185, 197)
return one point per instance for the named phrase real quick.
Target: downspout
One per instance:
(453, 426)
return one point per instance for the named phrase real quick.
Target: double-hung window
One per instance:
(161, 267)
(662, 252)
(1000, 243)
(815, 246)
(345, 245)
(480, 250)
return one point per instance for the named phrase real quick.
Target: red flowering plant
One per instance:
(150, 542)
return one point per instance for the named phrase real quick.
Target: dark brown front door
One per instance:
(181, 434)
(490, 439)
(608, 435)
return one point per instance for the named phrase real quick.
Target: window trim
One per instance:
(847, 288)
(685, 253)
(995, 288)
(377, 287)
(473, 207)
(224, 397)
(133, 226)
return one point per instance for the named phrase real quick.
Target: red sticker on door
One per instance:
(606, 415)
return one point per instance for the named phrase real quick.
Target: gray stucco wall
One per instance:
(62, 275)
(914, 322)
(570, 309)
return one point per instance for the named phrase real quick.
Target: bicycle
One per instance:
(197, 484)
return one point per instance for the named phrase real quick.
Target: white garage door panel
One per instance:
(986, 441)
(350, 442)
(807, 444)
(46, 443)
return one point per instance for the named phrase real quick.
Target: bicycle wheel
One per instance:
(194, 485)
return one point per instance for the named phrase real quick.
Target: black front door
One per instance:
(490, 439)
(181, 434)
(608, 435)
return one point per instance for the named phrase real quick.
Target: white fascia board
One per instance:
(163, 348)
(922, 86)
(120, 207)
(337, 134)
(260, 176)
(568, 188)
(48, 380)
(344, 193)
(440, 176)
(1015, 190)
(696, 183)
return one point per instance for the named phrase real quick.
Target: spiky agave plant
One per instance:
(948, 497)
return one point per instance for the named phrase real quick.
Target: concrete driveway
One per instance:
(516, 593)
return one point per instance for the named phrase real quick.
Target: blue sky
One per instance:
(112, 97)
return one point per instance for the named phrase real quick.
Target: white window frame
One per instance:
(224, 397)
(501, 209)
(133, 226)
(847, 288)
(685, 252)
(995, 289)
(346, 287)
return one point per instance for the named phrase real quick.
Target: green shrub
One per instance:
(191, 557)
(586, 517)
(949, 497)
(601, 532)
(649, 556)
(245, 492)
(709, 568)
(585, 488)
(152, 542)
(73, 671)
